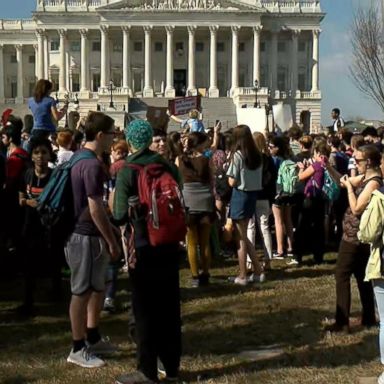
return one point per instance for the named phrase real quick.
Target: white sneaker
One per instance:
(257, 278)
(292, 262)
(85, 359)
(240, 281)
(102, 347)
(380, 380)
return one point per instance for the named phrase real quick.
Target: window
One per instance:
(13, 59)
(281, 46)
(262, 46)
(220, 47)
(117, 46)
(302, 46)
(95, 82)
(75, 46)
(242, 47)
(199, 46)
(31, 59)
(281, 80)
(55, 45)
(180, 46)
(117, 80)
(75, 82)
(138, 46)
(301, 82)
(96, 46)
(158, 46)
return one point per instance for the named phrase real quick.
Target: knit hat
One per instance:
(139, 134)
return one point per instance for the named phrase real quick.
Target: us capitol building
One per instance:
(144, 50)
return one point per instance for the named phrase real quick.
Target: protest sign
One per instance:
(183, 105)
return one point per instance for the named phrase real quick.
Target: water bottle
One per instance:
(139, 222)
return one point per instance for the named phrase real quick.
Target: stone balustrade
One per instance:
(285, 6)
(117, 91)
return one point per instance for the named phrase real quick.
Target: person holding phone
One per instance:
(310, 228)
(353, 255)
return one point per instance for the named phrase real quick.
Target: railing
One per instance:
(42, 4)
(293, 5)
(9, 101)
(251, 91)
(116, 91)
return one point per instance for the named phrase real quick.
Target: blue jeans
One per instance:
(378, 289)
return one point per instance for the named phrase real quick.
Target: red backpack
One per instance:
(162, 200)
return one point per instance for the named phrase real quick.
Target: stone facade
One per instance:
(167, 48)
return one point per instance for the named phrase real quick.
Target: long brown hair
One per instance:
(42, 89)
(244, 143)
(261, 143)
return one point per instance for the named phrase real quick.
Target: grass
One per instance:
(222, 325)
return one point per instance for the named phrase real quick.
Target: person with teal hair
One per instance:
(154, 275)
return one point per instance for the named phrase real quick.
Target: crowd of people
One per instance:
(293, 194)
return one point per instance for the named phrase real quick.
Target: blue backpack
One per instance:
(330, 188)
(55, 204)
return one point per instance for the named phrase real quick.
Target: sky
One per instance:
(337, 87)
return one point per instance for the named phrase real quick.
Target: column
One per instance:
(84, 69)
(40, 56)
(63, 62)
(20, 74)
(294, 63)
(148, 86)
(235, 58)
(213, 90)
(104, 72)
(46, 56)
(273, 66)
(315, 60)
(256, 52)
(191, 60)
(169, 88)
(126, 60)
(36, 48)
(2, 90)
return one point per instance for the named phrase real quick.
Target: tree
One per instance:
(367, 67)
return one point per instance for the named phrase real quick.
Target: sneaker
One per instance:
(102, 347)
(239, 281)
(257, 278)
(195, 283)
(161, 370)
(109, 305)
(204, 278)
(293, 262)
(85, 359)
(278, 256)
(133, 378)
(380, 380)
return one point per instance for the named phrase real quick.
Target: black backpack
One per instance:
(221, 185)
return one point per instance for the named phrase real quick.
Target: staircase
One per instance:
(213, 109)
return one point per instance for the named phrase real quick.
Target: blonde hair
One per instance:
(193, 114)
(261, 142)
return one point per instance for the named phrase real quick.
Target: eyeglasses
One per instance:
(271, 146)
(358, 161)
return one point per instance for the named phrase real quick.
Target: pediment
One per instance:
(180, 5)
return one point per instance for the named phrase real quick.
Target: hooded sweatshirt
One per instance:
(372, 231)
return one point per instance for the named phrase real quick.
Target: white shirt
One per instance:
(63, 155)
(338, 123)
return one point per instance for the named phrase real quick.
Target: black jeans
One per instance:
(310, 232)
(352, 260)
(156, 308)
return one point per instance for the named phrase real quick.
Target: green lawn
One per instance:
(222, 325)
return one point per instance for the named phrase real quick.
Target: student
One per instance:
(195, 170)
(95, 240)
(338, 121)
(65, 143)
(43, 108)
(39, 259)
(311, 223)
(353, 255)
(245, 177)
(154, 273)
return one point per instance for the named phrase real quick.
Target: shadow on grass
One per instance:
(17, 380)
